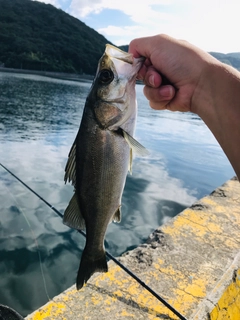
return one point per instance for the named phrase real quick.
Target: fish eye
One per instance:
(106, 76)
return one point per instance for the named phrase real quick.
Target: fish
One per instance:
(7, 313)
(101, 156)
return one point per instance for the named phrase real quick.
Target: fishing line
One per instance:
(36, 244)
(39, 254)
(156, 295)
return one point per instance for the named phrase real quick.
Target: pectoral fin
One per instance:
(135, 145)
(72, 215)
(130, 162)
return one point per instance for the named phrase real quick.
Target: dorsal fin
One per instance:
(70, 169)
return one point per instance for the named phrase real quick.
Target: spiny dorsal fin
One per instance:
(117, 215)
(135, 145)
(70, 169)
(72, 215)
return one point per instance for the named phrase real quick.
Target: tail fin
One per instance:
(88, 267)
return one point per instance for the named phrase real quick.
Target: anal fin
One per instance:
(117, 215)
(72, 215)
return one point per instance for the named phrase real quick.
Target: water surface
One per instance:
(39, 118)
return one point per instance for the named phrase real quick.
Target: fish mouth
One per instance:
(119, 100)
(116, 53)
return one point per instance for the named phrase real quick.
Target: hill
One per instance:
(37, 36)
(233, 59)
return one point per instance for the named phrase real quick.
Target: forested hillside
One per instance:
(233, 59)
(34, 35)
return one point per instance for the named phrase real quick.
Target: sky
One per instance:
(212, 25)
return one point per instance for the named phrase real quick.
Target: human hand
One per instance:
(182, 64)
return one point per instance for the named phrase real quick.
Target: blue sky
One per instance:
(213, 25)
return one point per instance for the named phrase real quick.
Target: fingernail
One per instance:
(151, 80)
(166, 91)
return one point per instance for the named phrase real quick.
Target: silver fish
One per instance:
(101, 155)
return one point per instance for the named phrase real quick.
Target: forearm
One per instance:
(217, 102)
(200, 83)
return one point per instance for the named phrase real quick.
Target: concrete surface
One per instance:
(193, 262)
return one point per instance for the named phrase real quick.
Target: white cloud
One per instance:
(212, 25)
(122, 35)
(119, 31)
(84, 7)
(53, 2)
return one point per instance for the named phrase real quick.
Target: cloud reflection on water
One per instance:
(150, 198)
(29, 228)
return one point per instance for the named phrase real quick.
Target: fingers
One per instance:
(160, 97)
(139, 47)
(144, 47)
(150, 76)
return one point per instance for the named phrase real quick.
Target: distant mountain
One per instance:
(37, 36)
(233, 59)
(124, 47)
(234, 54)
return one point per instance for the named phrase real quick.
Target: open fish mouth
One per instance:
(119, 54)
(120, 100)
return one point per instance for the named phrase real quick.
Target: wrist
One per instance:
(217, 101)
(218, 87)
(206, 88)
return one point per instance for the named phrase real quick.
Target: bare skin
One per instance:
(197, 82)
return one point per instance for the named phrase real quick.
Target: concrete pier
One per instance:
(193, 262)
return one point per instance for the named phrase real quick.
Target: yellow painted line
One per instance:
(132, 292)
(51, 311)
(228, 306)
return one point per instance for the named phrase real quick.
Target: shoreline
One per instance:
(56, 75)
(51, 74)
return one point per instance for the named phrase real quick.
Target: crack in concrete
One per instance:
(130, 302)
(190, 294)
(201, 225)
